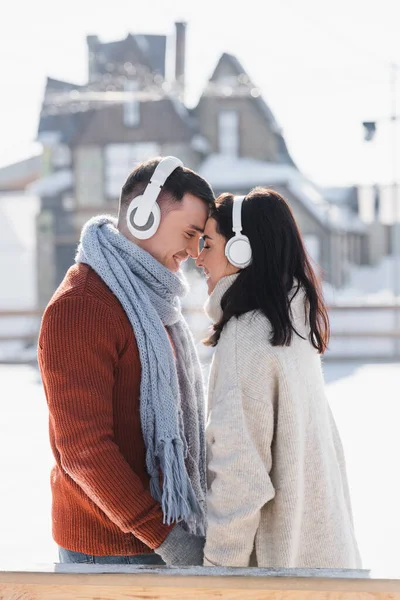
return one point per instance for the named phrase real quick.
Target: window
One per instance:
(88, 170)
(121, 159)
(61, 156)
(131, 105)
(228, 133)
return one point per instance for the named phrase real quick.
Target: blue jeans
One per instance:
(69, 556)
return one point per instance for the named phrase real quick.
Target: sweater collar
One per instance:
(213, 305)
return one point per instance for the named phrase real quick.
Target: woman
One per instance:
(278, 493)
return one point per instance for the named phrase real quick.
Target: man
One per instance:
(123, 382)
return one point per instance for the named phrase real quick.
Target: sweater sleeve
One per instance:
(239, 436)
(78, 352)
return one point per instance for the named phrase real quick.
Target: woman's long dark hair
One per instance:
(279, 262)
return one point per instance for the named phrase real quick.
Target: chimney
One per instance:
(180, 52)
(92, 44)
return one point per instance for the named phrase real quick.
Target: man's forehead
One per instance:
(196, 212)
(189, 219)
(195, 203)
(198, 228)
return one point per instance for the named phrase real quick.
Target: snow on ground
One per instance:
(25, 463)
(364, 398)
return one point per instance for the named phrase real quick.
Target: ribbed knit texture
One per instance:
(91, 372)
(278, 493)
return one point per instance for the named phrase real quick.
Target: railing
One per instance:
(362, 331)
(31, 330)
(94, 582)
(352, 326)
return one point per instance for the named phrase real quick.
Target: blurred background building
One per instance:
(129, 110)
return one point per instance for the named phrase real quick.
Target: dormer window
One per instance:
(228, 132)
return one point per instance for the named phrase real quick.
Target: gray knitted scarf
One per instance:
(171, 389)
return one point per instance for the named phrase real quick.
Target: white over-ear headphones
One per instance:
(238, 248)
(143, 215)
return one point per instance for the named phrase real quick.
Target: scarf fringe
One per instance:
(177, 498)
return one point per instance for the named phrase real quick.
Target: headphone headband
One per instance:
(237, 214)
(163, 170)
(143, 215)
(238, 248)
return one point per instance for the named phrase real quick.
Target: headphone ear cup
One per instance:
(238, 251)
(146, 231)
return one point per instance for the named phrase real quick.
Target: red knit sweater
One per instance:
(90, 367)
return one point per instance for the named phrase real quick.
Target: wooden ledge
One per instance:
(120, 582)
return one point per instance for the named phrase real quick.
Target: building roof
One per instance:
(149, 50)
(58, 85)
(52, 185)
(69, 116)
(18, 175)
(229, 66)
(66, 122)
(239, 175)
(226, 172)
(154, 46)
(230, 61)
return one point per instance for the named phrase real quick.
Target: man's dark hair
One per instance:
(181, 181)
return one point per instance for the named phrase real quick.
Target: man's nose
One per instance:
(193, 248)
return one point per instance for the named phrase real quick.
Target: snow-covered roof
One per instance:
(338, 195)
(226, 173)
(53, 184)
(23, 170)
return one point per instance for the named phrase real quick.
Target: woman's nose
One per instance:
(199, 260)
